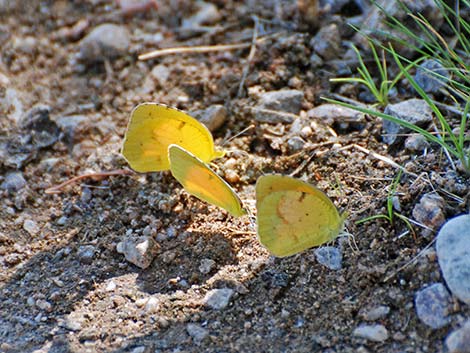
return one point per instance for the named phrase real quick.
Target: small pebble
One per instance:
(218, 298)
(326, 42)
(31, 227)
(139, 251)
(330, 257)
(416, 143)
(458, 341)
(296, 144)
(197, 332)
(86, 253)
(376, 333)
(430, 210)
(152, 305)
(62, 221)
(206, 266)
(453, 253)
(106, 41)
(141, 302)
(288, 101)
(333, 113)
(275, 279)
(161, 73)
(433, 305)
(72, 325)
(44, 305)
(273, 117)
(376, 313)
(30, 301)
(231, 176)
(13, 182)
(207, 14)
(140, 349)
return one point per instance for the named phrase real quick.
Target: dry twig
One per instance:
(57, 189)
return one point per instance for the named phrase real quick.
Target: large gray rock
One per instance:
(453, 253)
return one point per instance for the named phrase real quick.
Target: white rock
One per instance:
(207, 14)
(161, 73)
(218, 298)
(111, 286)
(197, 332)
(140, 349)
(139, 251)
(376, 313)
(206, 266)
(152, 305)
(31, 227)
(376, 333)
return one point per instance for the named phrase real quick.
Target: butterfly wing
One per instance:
(153, 127)
(201, 181)
(294, 216)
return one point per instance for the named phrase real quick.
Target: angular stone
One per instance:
(218, 298)
(413, 111)
(330, 257)
(288, 100)
(139, 251)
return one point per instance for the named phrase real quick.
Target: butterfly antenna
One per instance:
(248, 128)
(351, 240)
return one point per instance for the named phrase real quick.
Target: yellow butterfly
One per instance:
(153, 127)
(201, 181)
(293, 215)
